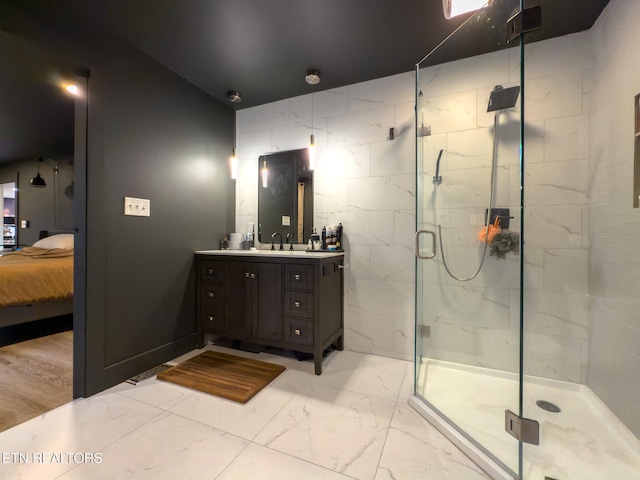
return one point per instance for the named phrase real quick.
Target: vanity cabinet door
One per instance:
(254, 299)
(239, 297)
(268, 301)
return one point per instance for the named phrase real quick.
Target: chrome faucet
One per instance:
(273, 236)
(290, 235)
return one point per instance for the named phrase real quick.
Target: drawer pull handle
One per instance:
(210, 271)
(210, 318)
(297, 332)
(343, 266)
(211, 295)
(246, 274)
(253, 275)
(297, 277)
(296, 304)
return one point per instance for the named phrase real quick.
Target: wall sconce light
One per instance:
(312, 77)
(234, 97)
(453, 8)
(264, 173)
(38, 181)
(72, 89)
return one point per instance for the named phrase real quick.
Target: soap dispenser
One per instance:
(250, 235)
(315, 239)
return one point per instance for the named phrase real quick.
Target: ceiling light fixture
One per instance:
(453, 8)
(312, 77)
(234, 97)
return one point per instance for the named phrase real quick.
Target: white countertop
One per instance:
(272, 253)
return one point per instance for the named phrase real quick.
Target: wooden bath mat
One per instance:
(223, 375)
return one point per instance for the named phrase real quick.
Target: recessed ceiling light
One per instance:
(453, 8)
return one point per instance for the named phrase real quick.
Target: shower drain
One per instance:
(548, 406)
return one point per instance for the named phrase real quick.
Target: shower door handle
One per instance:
(433, 244)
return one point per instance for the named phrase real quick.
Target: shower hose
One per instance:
(488, 219)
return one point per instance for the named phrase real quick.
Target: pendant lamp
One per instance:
(234, 97)
(38, 181)
(312, 77)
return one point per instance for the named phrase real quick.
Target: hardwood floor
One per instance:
(35, 377)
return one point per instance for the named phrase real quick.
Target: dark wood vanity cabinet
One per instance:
(291, 302)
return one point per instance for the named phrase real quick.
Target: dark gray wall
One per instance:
(37, 204)
(152, 135)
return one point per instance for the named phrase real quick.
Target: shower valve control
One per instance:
(502, 214)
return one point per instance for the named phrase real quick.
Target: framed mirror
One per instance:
(285, 196)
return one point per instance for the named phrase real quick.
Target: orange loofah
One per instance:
(488, 234)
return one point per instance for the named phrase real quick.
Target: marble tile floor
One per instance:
(352, 422)
(584, 441)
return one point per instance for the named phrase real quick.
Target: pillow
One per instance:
(62, 240)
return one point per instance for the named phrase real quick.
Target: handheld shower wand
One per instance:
(437, 179)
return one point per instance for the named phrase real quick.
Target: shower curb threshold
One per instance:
(476, 455)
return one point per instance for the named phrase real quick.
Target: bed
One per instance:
(36, 282)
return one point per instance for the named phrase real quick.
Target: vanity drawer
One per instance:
(298, 331)
(212, 294)
(298, 304)
(298, 277)
(212, 272)
(212, 318)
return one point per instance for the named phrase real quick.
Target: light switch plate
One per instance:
(140, 207)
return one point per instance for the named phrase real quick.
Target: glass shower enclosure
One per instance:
(501, 253)
(468, 285)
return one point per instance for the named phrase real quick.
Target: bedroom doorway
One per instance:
(56, 132)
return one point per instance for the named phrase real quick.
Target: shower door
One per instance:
(468, 288)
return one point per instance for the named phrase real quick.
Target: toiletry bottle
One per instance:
(339, 237)
(315, 239)
(224, 244)
(324, 238)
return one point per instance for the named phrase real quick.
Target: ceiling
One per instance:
(262, 48)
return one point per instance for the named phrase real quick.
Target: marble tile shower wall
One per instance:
(614, 283)
(367, 181)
